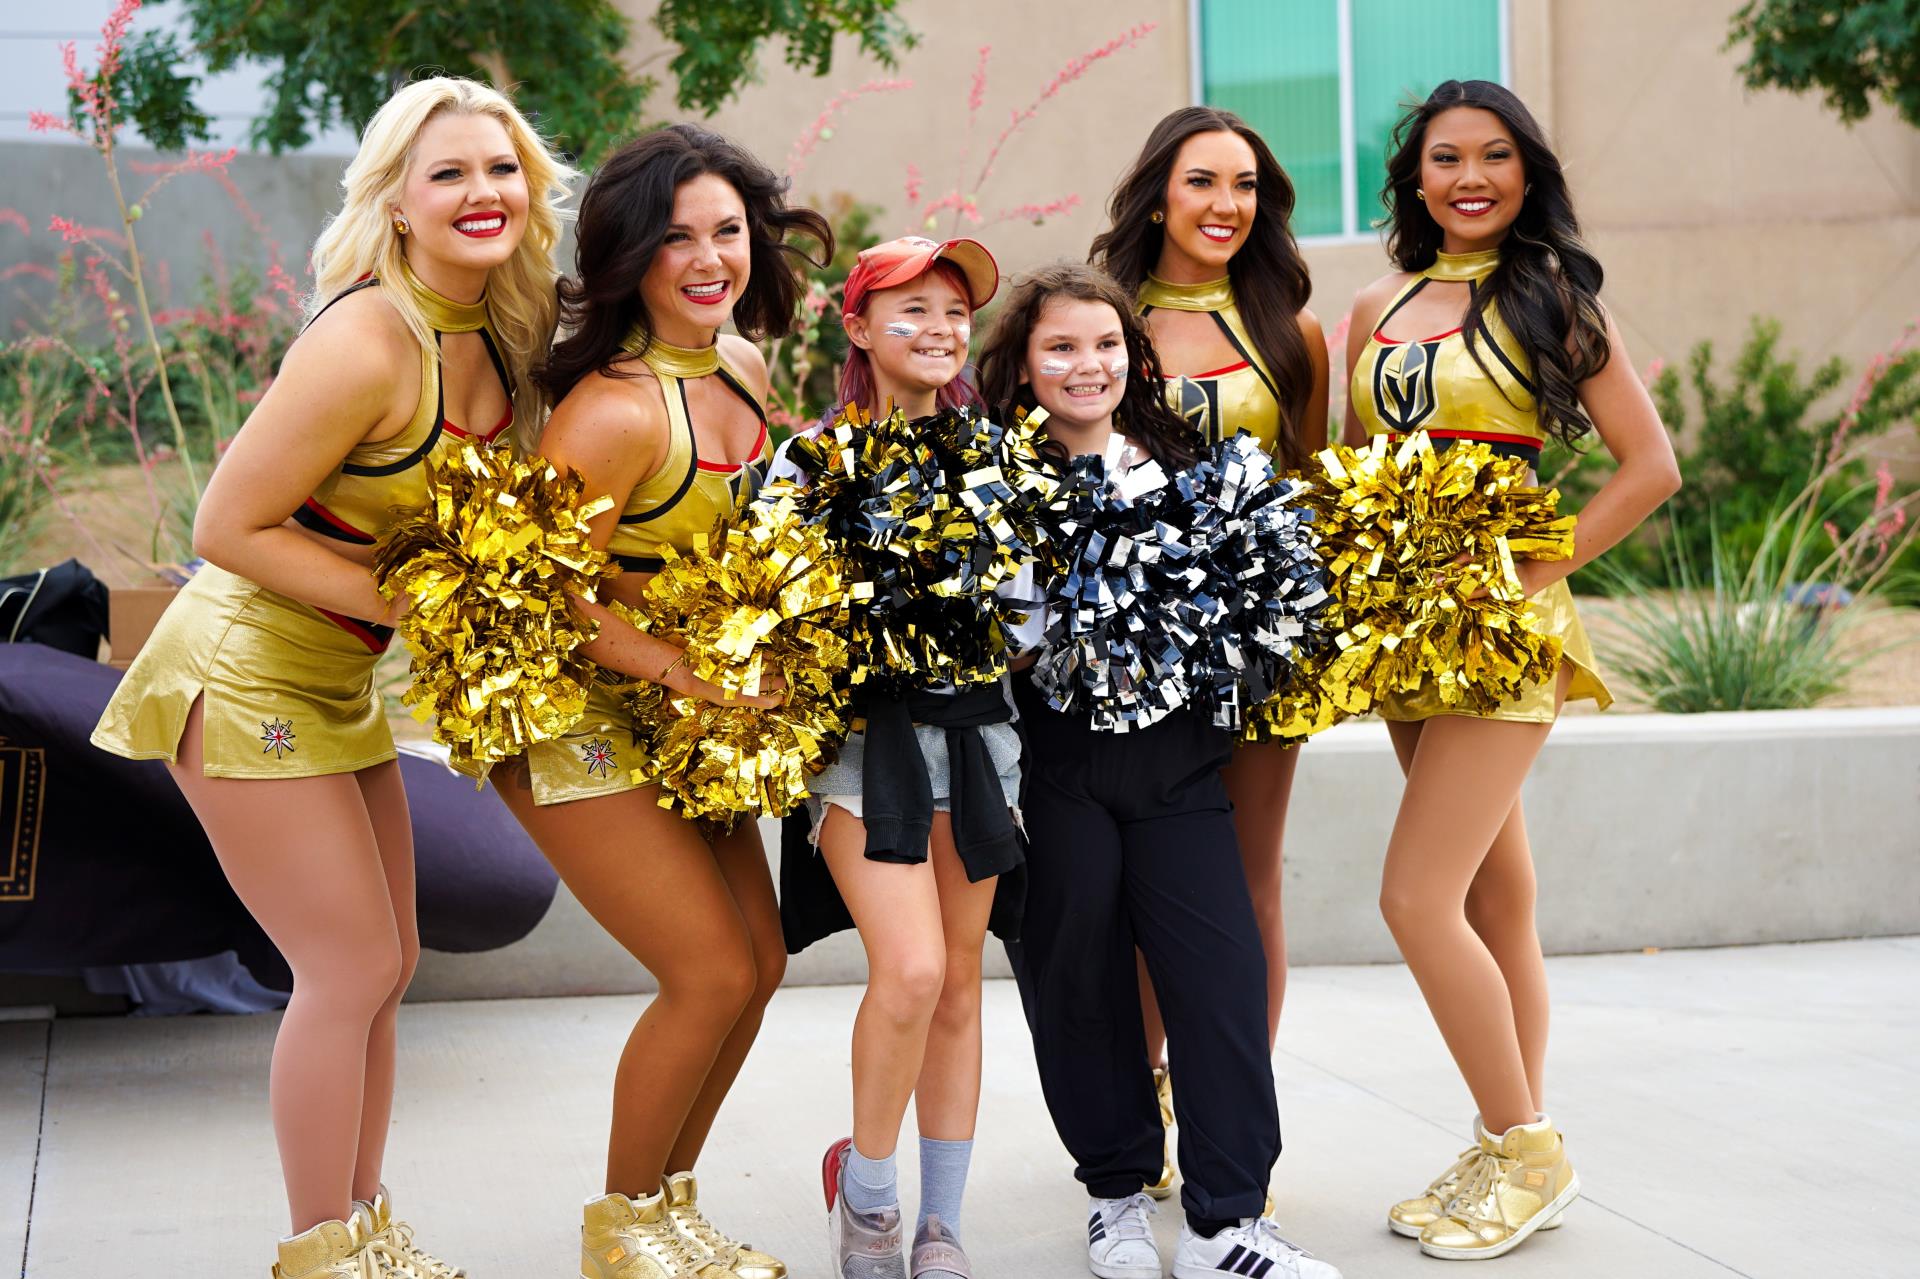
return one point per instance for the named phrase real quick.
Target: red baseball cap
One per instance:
(908, 258)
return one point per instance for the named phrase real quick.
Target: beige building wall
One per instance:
(1707, 203)
(1075, 145)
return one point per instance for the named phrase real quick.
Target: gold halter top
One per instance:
(1435, 384)
(1240, 397)
(687, 494)
(378, 483)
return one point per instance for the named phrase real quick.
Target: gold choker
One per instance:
(1214, 295)
(1463, 266)
(444, 315)
(674, 361)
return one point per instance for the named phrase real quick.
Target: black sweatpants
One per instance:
(1132, 844)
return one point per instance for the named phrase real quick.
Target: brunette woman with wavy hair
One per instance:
(1201, 235)
(1491, 331)
(680, 231)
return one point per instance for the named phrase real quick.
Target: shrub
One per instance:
(1747, 441)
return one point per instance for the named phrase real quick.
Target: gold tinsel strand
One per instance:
(489, 566)
(757, 598)
(1409, 533)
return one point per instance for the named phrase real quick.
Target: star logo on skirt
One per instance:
(597, 755)
(278, 736)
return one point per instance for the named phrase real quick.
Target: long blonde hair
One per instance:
(360, 240)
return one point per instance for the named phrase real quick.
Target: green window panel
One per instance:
(1401, 50)
(1277, 66)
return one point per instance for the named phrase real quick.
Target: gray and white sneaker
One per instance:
(937, 1253)
(1254, 1249)
(1120, 1243)
(863, 1245)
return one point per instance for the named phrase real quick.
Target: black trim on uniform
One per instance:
(640, 563)
(1234, 340)
(693, 467)
(306, 517)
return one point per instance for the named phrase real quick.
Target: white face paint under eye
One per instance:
(1117, 367)
(964, 332)
(901, 329)
(1055, 368)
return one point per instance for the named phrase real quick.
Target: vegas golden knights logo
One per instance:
(1198, 404)
(23, 792)
(1403, 384)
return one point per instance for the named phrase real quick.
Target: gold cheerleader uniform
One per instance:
(1241, 396)
(676, 504)
(288, 687)
(1436, 385)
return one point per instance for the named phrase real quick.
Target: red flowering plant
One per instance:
(804, 365)
(168, 386)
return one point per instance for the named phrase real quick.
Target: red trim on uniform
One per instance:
(488, 438)
(1231, 368)
(1485, 437)
(1380, 337)
(728, 468)
(337, 522)
(356, 628)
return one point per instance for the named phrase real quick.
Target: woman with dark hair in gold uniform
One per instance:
(1201, 236)
(1492, 331)
(435, 285)
(680, 232)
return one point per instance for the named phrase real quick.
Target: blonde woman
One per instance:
(434, 292)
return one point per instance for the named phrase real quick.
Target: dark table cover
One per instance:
(102, 862)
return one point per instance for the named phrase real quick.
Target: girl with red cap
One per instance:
(915, 847)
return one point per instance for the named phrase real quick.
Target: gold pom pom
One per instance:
(1421, 545)
(759, 598)
(489, 566)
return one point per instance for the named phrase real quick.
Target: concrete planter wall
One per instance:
(1648, 830)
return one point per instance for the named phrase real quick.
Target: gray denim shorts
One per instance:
(841, 783)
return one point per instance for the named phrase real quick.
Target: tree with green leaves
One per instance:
(1852, 51)
(566, 61)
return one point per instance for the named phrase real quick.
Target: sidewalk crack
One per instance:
(39, 1142)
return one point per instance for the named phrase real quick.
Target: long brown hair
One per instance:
(1547, 286)
(1270, 280)
(1143, 415)
(623, 221)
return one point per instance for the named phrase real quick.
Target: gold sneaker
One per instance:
(391, 1246)
(1163, 1088)
(727, 1258)
(1410, 1216)
(1520, 1180)
(331, 1250)
(622, 1238)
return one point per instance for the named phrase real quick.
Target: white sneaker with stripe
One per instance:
(1120, 1243)
(1254, 1249)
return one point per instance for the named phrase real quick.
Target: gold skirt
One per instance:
(599, 755)
(287, 693)
(1535, 704)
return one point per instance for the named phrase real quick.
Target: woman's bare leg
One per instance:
(1463, 790)
(1260, 783)
(743, 865)
(386, 800)
(304, 856)
(654, 884)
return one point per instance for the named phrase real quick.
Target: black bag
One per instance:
(63, 607)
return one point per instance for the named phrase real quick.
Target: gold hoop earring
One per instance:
(1420, 195)
(1156, 217)
(400, 224)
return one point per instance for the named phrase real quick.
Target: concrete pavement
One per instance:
(1718, 1103)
